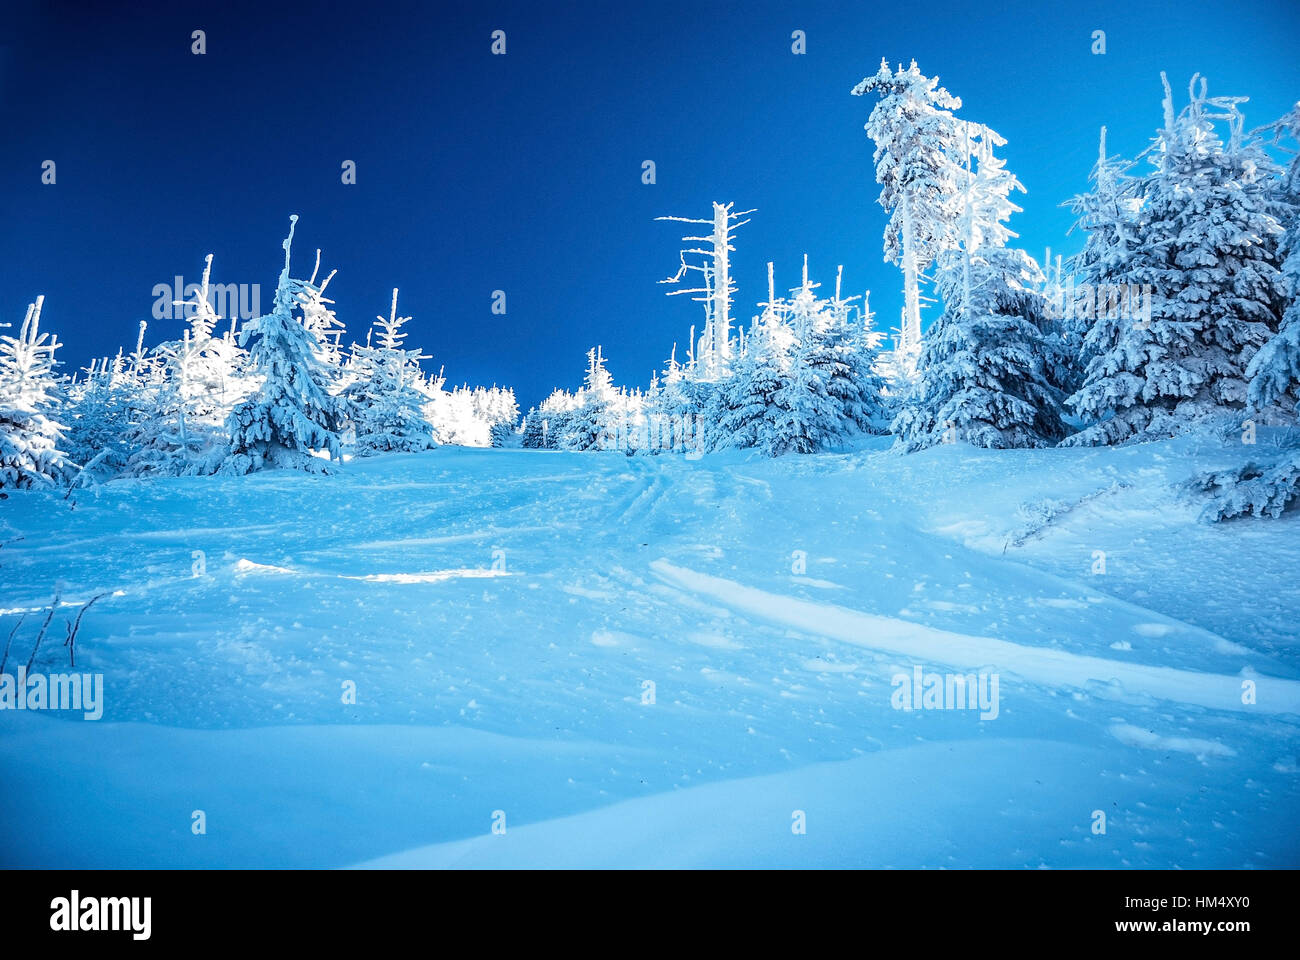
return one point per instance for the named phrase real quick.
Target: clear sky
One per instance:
(523, 172)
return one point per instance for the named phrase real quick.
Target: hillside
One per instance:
(501, 612)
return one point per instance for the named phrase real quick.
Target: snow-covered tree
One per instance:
(1274, 371)
(212, 366)
(755, 400)
(465, 416)
(326, 328)
(806, 380)
(715, 348)
(983, 375)
(1108, 214)
(30, 434)
(183, 392)
(535, 430)
(809, 417)
(753, 404)
(1206, 246)
(1265, 486)
(918, 166)
(1061, 340)
(591, 424)
(292, 412)
(165, 437)
(548, 423)
(855, 383)
(99, 417)
(503, 434)
(683, 412)
(383, 400)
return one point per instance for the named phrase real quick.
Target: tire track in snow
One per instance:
(1054, 668)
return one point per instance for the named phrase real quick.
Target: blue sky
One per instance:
(523, 172)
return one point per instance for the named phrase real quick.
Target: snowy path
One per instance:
(501, 614)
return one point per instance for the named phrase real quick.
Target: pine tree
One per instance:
(1108, 214)
(1274, 371)
(589, 426)
(164, 437)
(99, 416)
(1206, 247)
(982, 378)
(983, 374)
(326, 328)
(753, 402)
(292, 412)
(1265, 487)
(535, 430)
(852, 380)
(1061, 339)
(30, 434)
(753, 407)
(918, 166)
(808, 416)
(383, 401)
(503, 434)
(185, 390)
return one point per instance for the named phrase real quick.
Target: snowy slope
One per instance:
(500, 613)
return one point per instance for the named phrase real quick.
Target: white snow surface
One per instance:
(502, 614)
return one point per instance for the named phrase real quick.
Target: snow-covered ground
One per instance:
(506, 615)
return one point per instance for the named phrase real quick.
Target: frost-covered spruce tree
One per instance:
(292, 412)
(683, 416)
(534, 434)
(810, 417)
(497, 408)
(981, 374)
(185, 392)
(853, 382)
(1061, 340)
(1267, 485)
(1206, 247)
(503, 434)
(183, 396)
(210, 367)
(752, 401)
(806, 380)
(589, 425)
(383, 400)
(553, 417)
(753, 404)
(982, 377)
(1274, 371)
(326, 328)
(672, 405)
(165, 438)
(30, 433)
(1108, 215)
(99, 417)
(918, 166)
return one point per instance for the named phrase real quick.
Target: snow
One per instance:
(501, 613)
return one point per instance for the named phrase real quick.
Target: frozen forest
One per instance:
(1005, 578)
(1179, 315)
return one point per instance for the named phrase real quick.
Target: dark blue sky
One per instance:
(523, 173)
